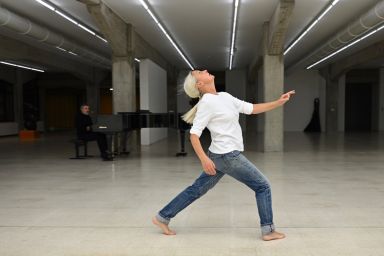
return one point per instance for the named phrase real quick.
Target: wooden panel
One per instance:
(61, 109)
(106, 101)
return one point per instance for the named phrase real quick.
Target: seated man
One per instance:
(84, 132)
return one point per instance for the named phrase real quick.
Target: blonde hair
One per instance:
(191, 90)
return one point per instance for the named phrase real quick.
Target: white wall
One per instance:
(235, 84)
(153, 97)
(298, 111)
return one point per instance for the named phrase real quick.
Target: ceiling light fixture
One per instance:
(153, 16)
(346, 46)
(233, 37)
(21, 66)
(46, 5)
(137, 60)
(314, 22)
(64, 50)
(55, 9)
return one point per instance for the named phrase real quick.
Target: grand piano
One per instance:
(125, 122)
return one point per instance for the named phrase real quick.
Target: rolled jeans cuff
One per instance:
(162, 219)
(267, 229)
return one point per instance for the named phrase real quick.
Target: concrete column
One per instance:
(331, 105)
(341, 104)
(273, 87)
(381, 100)
(251, 96)
(42, 102)
(121, 38)
(18, 99)
(123, 80)
(273, 70)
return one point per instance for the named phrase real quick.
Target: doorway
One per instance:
(358, 107)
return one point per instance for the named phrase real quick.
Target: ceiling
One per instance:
(201, 28)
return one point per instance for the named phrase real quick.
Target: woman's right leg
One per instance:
(201, 185)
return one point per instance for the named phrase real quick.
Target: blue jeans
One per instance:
(237, 166)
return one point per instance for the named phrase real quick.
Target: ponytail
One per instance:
(190, 115)
(191, 90)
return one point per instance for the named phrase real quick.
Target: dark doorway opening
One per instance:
(358, 107)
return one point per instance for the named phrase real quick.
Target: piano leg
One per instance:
(110, 142)
(124, 142)
(182, 143)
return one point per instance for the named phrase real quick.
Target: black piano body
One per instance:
(125, 122)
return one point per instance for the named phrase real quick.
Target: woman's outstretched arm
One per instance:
(264, 107)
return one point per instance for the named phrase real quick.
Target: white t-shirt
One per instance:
(220, 114)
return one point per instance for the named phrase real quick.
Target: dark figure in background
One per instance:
(314, 124)
(84, 132)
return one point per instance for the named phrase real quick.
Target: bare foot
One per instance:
(163, 227)
(273, 236)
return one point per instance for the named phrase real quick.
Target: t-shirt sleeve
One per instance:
(202, 117)
(242, 106)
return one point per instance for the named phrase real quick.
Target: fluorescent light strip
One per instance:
(233, 37)
(62, 49)
(86, 29)
(346, 46)
(21, 66)
(65, 16)
(46, 5)
(101, 38)
(330, 6)
(153, 16)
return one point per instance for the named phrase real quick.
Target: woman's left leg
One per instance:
(244, 171)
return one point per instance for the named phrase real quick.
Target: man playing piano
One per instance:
(84, 132)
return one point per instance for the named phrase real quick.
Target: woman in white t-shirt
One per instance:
(219, 112)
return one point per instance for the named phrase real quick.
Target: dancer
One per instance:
(219, 112)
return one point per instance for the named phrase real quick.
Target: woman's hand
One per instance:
(285, 97)
(208, 166)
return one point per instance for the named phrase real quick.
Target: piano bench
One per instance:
(78, 143)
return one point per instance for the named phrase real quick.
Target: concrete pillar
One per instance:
(381, 100)
(260, 98)
(273, 87)
(341, 104)
(121, 38)
(18, 99)
(331, 101)
(123, 80)
(42, 102)
(273, 70)
(251, 96)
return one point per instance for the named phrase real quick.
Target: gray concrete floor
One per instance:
(327, 195)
